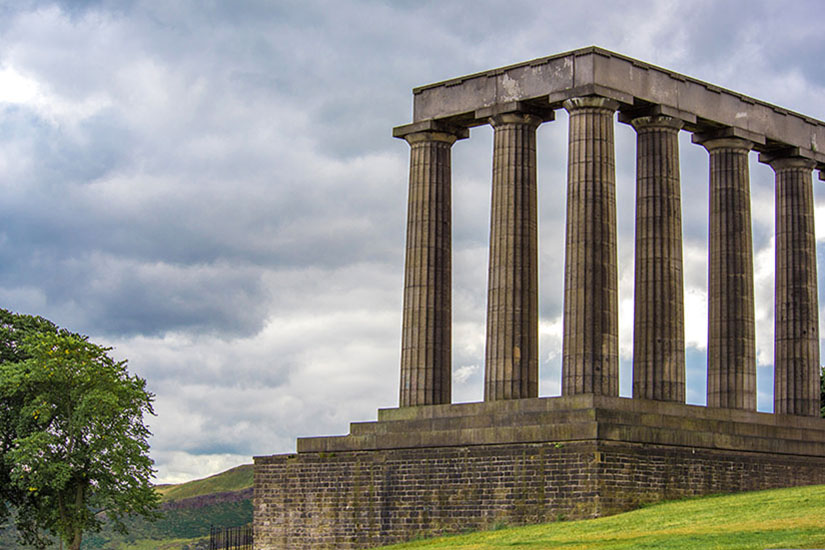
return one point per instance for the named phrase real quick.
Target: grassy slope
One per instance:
(181, 528)
(235, 479)
(782, 518)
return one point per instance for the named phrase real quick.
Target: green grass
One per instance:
(172, 544)
(782, 518)
(235, 479)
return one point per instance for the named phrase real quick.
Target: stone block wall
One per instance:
(364, 499)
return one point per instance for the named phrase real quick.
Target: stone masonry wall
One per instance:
(363, 499)
(630, 475)
(360, 499)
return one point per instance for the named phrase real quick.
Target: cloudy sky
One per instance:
(212, 188)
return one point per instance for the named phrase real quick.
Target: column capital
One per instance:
(427, 135)
(515, 109)
(728, 138)
(430, 130)
(656, 121)
(629, 114)
(592, 102)
(790, 157)
(725, 143)
(526, 119)
(781, 163)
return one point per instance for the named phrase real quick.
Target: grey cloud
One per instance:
(218, 194)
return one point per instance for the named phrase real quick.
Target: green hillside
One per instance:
(236, 479)
(782, 518)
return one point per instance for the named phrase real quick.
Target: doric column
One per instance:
(796, 314)
(731, 325)
(658, 319)
(511, 357)
(427, 316)
(590, 354)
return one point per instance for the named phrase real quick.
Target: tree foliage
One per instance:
(75, 449)
(14, 329)
(822, 392)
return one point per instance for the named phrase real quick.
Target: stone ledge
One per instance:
(579, 418)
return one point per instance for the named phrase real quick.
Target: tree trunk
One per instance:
(75, 542)
(77, 536)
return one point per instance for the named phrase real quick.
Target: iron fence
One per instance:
(230, 538)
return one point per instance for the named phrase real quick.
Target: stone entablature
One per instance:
(549, 81)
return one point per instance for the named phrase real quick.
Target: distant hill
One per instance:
(189, 510)
(235, 479)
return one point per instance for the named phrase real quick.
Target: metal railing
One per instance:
(230, 538)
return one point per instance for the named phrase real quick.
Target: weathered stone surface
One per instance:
(796, 314)
(596, 71)
(511, 368)
(731, 322)
(590, 342)
(427, 320)
(658, 321)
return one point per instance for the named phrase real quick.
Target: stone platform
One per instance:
(449, 468)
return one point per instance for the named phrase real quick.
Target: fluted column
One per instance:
(427, 316)
(658, 319)
(796, 314)
(511, 356)
(590, 354)
(731, 325)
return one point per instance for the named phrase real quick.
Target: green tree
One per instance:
(822, 392)
(14, 328)
(75, 451)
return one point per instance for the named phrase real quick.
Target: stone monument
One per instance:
(431, 467)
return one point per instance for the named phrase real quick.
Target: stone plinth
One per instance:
(448, 468)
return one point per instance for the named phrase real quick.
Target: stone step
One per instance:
(492, 435)
(721, 426)
(488, 419)
(654, 435)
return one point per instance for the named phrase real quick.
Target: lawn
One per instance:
(781, 518)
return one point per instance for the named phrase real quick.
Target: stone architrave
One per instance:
(427, 315)
(658, 323)
(511, 355)
(590, 346)
(796, 314)
(731, 381)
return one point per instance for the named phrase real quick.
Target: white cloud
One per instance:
(16, 88)
(178, 466)
(463, 373)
